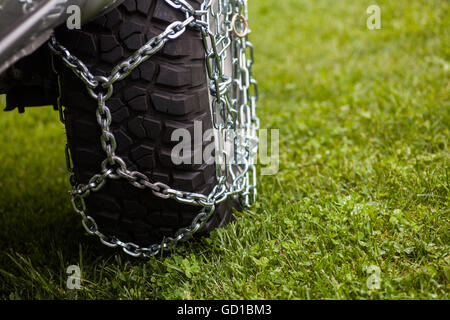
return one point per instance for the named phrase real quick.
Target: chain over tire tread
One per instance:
(165, 93)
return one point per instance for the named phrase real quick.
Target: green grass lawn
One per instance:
(364, 122)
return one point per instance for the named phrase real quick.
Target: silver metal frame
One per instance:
(27, 24)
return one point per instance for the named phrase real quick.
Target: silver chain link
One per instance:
(233, 107)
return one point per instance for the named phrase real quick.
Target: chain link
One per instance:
(233, 107)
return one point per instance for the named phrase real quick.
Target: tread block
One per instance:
(132, 92)
(128, 28)
(135, 126)
(135, 74)
(87, 46)
(119, 111)
(123, 140)
(163, 14)
(171, 126)
(100, 21)
(175, 104)
(159, 175)
(107, 42)
(69, 39)
(185, 47)
(209, 170)
(138, 103)
(129, 189)
(134, 42)
(114, 104)
(147, 71)
(198, 75)
(114, 56)
(174, 76)
(113, 18)
(183, 160)
(130, 5)
(188, 181)
(120, 115)
(143, 6)
(144, 155)
(152, 127)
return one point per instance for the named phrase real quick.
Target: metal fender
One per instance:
(26, 24)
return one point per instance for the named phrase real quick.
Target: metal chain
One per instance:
(233, 107)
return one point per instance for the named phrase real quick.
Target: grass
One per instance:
(364, 174)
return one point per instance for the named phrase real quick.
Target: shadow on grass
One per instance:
(40, 236)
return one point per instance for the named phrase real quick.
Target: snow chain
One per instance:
(224, 29)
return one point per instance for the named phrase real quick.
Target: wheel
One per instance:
(165, 93)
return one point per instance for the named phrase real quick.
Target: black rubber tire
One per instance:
(165, 93)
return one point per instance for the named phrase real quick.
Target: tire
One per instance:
(167, 92)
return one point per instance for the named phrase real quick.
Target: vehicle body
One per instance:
(27, 24)
(24, 26)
